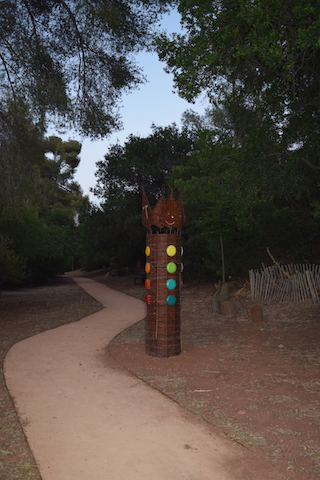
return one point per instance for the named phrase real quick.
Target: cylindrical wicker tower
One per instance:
(163, 283)
(163, 265)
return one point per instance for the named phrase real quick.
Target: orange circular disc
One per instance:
(147, 267)
(147, 283)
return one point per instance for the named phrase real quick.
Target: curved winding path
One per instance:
(86, 418)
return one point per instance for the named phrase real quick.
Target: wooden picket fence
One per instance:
(286, 283)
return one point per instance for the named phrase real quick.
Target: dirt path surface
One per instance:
(255, 385)
(25, 312)
(86, 418)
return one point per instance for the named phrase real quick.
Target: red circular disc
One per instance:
(147, 299)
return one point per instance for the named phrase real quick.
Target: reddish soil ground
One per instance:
(257, 384)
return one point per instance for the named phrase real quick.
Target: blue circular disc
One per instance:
(171, 284)
(171, 299)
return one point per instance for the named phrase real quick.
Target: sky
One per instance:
(152, 103)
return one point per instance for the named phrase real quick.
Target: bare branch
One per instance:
(310, 164)
(8, 76)
(81, 43)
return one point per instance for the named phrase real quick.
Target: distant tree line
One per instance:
(233, 193)
(64, 63)
(248, 169)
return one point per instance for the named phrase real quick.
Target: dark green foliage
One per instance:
(111, 238)
(264, 55)
(143, 162)
(255, 177)
(40, 249)
(93, 253)
(20, 153)
(13, 268)
(248, 170)
(70, 60)
(241, 185)
(37, 230)
(112, 235)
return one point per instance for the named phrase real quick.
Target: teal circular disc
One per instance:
(171, 299)
(171, 284)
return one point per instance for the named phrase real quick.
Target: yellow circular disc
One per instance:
(147, 267)
(147, 251)
(171, 250)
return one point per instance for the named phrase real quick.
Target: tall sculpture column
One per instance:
(163, 268)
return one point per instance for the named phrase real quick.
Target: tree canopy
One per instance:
(21, 150)
(106, 232)
(142, 161)
(71, 60)
(66, 62)
(38, 238)
(263, 54)
(239, 186)
(248, 169)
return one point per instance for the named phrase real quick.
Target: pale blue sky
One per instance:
(154, 102)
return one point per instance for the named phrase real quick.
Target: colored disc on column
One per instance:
(147, 251)
(147, 283)
(147, 267)
(171, 284)
(171, 250)
(171, 267)
(171, 300)
(147, 299)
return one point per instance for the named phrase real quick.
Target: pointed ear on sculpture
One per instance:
(147, 217)
(168, 215)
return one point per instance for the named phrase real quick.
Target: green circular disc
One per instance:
(171, 267)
